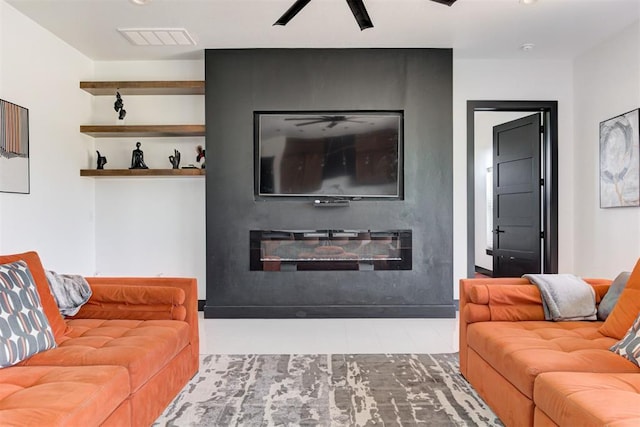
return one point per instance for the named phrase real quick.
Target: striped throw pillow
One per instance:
(629, 346)
(24, 328)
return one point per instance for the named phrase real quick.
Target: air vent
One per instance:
(157, 36)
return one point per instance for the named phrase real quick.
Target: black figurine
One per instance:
(119, 107)
(175, 159)
(137, 158)
(102, 160)
(200, 155)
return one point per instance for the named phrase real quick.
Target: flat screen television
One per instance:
(329, 154)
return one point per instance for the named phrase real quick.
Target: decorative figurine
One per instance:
(175, 159)
(200, 156)
(119, 107)
(137, 158)
(102, 160)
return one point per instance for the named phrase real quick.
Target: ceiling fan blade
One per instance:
(291, 12)
(360, 13)
(447, 2)
(311, 123)
(305, 119)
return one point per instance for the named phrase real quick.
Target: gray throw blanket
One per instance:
(565, 296)
(69, 290)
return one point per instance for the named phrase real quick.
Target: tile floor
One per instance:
(323, 336)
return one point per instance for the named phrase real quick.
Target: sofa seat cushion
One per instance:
(519, 351)
(61, 396)
(141, 346)
(589, 399)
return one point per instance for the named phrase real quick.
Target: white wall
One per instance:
(136, 227)
(511, 80)
(150, 226)
(2, 44)
(41, 73)
(607, 83)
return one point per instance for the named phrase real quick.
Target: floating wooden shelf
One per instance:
(186, 87)
(141, 172)
(117, 131)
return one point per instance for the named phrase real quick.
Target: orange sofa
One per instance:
(533, 372)
(119, 362)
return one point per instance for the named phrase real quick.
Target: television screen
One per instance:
(334, 154)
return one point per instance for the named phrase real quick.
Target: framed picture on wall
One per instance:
(620, 161)
(14, 148)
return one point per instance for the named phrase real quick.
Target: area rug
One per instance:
(328, 390)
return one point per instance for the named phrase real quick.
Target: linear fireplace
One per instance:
(304, 250)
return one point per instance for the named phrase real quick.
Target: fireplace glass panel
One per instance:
(285, 250)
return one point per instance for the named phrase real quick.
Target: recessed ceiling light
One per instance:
(140, 2)
(527, 47)
(528, 1)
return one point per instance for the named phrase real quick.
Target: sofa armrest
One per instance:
(511, 301)
(504, 299)
(144, 298)
(116, 301)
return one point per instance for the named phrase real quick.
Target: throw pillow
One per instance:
(49, 305)
(24, 328)
(626, 309)
(611, 297)
(629, 346)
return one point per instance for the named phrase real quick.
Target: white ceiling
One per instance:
(492, 29)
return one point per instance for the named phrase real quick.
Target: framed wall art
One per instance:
(14, 148)
(620, 161)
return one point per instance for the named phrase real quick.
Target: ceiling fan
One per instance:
(332, 120)
(357, 8)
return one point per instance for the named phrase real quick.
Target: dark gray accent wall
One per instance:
(416, 81)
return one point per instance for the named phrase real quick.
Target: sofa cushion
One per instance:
(519, 351)
(58, 396)
(626, 309)
(589, 399)
(613, 294)
(58, 326)
(141, 346)
(629, 346)
(24, 328)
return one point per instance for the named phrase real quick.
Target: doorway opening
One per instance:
(549, 189)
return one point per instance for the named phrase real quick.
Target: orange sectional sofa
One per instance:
(119, 362)
(533, 372)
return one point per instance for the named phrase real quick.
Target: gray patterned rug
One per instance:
(328, 390)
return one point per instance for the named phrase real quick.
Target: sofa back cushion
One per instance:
(626, 309)
(613, 294)
(24, 328)
(49, 306)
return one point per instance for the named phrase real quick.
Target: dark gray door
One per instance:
(516, 197)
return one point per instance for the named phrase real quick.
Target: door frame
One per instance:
(549, 221)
